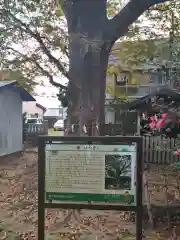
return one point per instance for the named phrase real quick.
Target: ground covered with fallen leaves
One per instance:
(18, 207)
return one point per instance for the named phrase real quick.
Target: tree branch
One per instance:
(64, 48)
(24, 27)
(45, 72)
(118, 26)
(125, 166)
(67, 7)
(16, 51)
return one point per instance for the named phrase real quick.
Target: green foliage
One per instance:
(156, 42)
(164, 18)
(21, 76)
(113, 6)
(63, 98)
(165, 23)
(32, 33)
(153, 38)
(34, 40)
(117, 104)
(134, 53)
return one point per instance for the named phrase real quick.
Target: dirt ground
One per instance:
(18, 207)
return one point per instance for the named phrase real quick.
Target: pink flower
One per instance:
(177, 152)
(168, 130)
(164, 115)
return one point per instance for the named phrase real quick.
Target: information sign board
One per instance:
(80, 172)
(97, 173)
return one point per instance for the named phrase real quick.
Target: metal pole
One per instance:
(41, 187)
(139, 190)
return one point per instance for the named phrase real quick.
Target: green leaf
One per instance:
(61, 2)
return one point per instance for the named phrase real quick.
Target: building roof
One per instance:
(5, 83)
(25, 96)
(161, 92)
(54, 113)
(40, 106)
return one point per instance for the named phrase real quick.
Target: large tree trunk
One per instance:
(87, 91)
(89, 54)
(91, 36)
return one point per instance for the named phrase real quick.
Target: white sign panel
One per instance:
(90, 172)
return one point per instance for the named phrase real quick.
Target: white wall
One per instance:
(31, 108)
(109, 116)
(10, 122)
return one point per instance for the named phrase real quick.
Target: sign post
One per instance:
(100, 173)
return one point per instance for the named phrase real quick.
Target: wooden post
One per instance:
(138, 123)
(147, 199)
(166, 201)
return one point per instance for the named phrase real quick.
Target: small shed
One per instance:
(11, 121)
(52, 115)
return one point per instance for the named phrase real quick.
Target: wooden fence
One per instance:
(31, 132)
(159, 150)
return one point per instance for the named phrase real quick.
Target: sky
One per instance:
(48, 102)
(46, 95)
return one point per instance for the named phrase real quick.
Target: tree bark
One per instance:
(87, 90)
(89, 54)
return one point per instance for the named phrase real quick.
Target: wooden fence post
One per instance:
(147, 199)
